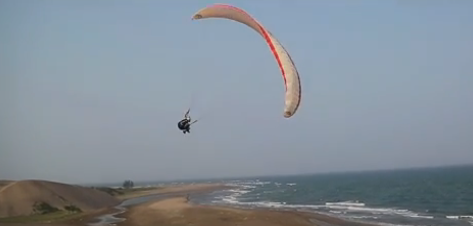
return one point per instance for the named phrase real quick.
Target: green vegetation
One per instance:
(73, 209)
(42, 218)
(43, 212)
(43, 208)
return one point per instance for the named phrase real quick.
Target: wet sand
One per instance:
(177, 211)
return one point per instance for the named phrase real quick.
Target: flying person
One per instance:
(185, 124)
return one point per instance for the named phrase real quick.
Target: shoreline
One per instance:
(178, 211)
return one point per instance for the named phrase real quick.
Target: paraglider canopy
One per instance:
(285, 63)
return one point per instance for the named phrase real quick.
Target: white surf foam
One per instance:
(468, 218)
(460, 217)
(351, 209)
(346, 203)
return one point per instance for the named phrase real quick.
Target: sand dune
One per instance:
(18, 198)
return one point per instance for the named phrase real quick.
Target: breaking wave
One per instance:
(250, 194)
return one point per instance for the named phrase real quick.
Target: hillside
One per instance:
(4, 183)
(34, 196)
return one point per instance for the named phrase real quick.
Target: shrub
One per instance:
(44, 208)
(72, 208)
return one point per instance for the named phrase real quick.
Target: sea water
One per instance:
(430, 197)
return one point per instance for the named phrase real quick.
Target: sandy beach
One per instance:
(177, 211)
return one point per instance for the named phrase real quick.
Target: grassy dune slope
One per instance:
(28, 197)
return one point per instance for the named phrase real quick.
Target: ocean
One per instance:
(424, 197)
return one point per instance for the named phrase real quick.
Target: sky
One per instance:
(91, 91)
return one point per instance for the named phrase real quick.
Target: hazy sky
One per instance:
(91, 91)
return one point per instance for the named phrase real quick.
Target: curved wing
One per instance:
(288, 69)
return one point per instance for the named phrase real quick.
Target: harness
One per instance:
(183, 124)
